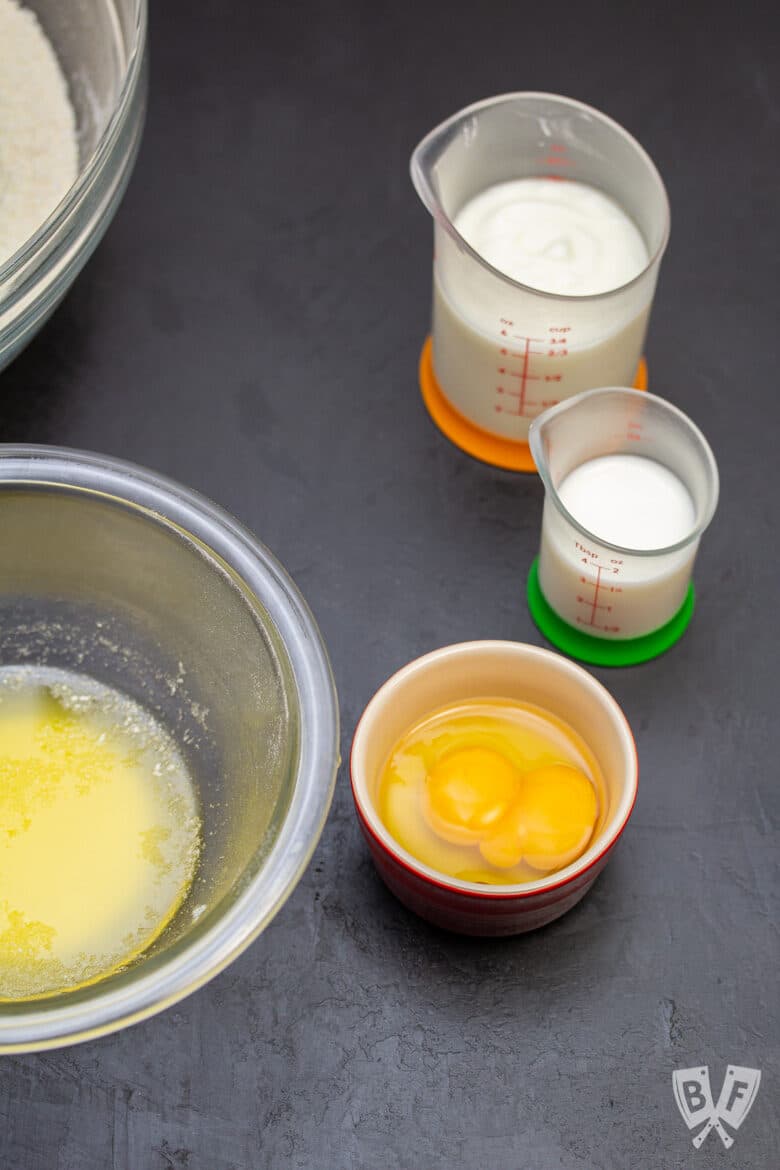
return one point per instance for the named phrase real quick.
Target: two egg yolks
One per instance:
(544, 817)
(492, 790)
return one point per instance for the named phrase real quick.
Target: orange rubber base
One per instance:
(508, 453)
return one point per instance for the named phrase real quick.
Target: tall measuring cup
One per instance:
(601, 602)
(501, 351)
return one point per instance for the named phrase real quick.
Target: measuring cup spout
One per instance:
(539, 436)
(424, 173)
(557, 428)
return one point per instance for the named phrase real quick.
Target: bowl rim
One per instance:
(52, 1023)
(34, 245)
(592, 856)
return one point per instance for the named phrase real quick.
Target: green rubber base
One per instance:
(604, 651)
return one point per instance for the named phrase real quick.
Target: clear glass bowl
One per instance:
(121, 574)
(101, 47)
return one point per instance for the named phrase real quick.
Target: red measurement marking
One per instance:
(596, 594)
(523, 375)
(556, 157)
(594, 605)
(524, 378)
(522, 403)
(554, 346)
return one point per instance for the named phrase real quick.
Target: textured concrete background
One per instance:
(251, 326)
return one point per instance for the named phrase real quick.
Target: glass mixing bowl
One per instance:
(101, 50)
(118, 573)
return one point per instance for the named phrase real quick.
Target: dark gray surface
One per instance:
(251, 326)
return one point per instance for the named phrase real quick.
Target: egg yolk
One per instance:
(505, 848)
(549, 825)
(467, 793)
(492, 791)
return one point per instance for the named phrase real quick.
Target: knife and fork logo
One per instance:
(693, 1095)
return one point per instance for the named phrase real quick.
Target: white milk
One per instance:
(559, 237)
(633, 502)
(502, 354)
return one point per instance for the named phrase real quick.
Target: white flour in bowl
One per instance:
(38, 150)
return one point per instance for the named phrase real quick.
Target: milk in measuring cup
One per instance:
(558, 236)
(634, 502)
(501, 365)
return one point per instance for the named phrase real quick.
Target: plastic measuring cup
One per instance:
(500, 351)
(598, 601)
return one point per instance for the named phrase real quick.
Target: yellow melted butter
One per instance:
(505, 745)
(99, 831)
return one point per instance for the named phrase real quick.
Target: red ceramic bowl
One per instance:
(510, 670)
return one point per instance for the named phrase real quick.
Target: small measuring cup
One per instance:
(501, 352)
(598, 601)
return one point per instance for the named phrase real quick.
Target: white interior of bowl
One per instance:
(510, 670)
